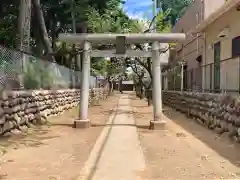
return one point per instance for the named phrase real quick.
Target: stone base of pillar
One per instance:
(157, 125)
(81, 124)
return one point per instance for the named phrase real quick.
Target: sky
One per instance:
(138, 9)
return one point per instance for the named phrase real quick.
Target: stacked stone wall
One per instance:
(216, 111)
(21, 108)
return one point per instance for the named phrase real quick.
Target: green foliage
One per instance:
(100, 15)
(37, 75)
(114, 66)
(134, 26)
(57, 16)
(31, 78)
(8, 22)
(98, 66)
(176, 9)
(161, 24)
(112, 20)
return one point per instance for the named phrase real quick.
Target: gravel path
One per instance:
(54, 152)
(185, 150)
(120, 157)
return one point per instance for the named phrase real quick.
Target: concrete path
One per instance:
(117, 154)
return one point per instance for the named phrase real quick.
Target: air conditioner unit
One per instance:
(224, 33)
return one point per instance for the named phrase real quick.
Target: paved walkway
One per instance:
(117, 154)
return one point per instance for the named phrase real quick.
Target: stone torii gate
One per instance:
(121, 40)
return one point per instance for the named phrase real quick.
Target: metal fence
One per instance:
(215, 78)
(23, 71)
(174, 78)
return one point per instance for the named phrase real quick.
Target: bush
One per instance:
(37, 75)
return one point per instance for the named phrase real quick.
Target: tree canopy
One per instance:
(99, 15)
(51, 17)
(175, 9)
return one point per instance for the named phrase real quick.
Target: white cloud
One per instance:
(138, 16)
(138, 9)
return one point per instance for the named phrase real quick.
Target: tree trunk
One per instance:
(45, 39)
(141, 89)
(110, 87)
(38, 50)
(23, 38)
(24, 25)
(149, 102)
(53, 34)
(42, 27)
(149, 97)
(149, 67)
(141, 93)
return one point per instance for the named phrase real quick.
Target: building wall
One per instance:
(211, 6)
(229, 68)
(198, 11)
(187, 22)
(192, 47)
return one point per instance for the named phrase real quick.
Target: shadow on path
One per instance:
(94, 168)
(223, 145)
(112, 125)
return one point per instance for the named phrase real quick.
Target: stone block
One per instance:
(25, 107)
(215, 110)
(81, 124)
(157, 125)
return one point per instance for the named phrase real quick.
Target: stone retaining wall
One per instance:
(216, 111)
(21, 108)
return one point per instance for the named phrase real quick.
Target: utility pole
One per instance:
(182, 75)
(154, 14)
(23, 41)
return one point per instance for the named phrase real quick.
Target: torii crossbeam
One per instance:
(121, 40)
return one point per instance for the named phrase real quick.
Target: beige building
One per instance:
(220, 33)
(191, 50)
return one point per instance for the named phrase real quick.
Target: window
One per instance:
(236, 46)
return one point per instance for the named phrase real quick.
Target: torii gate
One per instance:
(121, 40)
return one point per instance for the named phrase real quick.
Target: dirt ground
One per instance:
(55, 151)
(185, 150)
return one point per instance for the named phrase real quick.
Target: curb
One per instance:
(89, 167)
